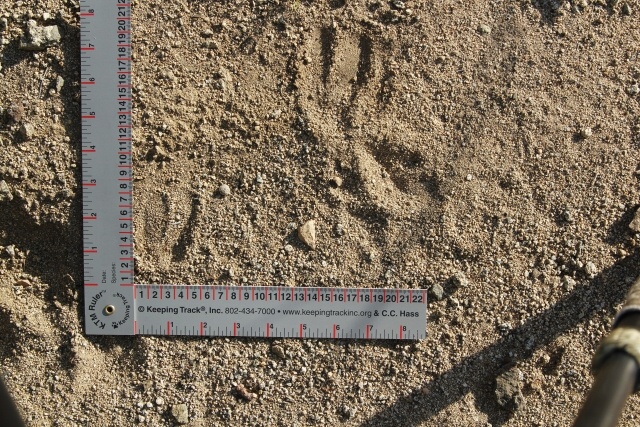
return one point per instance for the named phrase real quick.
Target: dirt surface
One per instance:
(485, 151)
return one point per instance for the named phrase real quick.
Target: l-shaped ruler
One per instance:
(115, 305)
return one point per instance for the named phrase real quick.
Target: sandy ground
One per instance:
(486, 151)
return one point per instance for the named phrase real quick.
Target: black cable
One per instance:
(615, 380)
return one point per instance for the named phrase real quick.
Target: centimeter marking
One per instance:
(114, 305)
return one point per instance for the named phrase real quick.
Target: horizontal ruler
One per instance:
(267, 311)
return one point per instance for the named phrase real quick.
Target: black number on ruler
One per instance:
(207, 295)
(417, 298)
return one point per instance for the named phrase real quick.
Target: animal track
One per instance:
(344, 85)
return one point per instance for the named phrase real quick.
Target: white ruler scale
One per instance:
(115, 305)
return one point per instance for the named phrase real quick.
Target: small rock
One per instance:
(626, 9)
(16, 112)
(275, 114)
(288, 248)
(590, 269)
(4, 25)
(5, 192)
(509, 389)
(141, 418)
(568, 215)
(484, 29)
(437, 292)
(399, 4)
(11, 251)
(59, 83)
(39, 38)
(24, 283)
(633, 90)
(242, 391)
(158, 154)
(335, 182)
(460, 280)
(159, 401)
(181, 413)
(586, 133)
(568, 283)
(340, 230)
(348, 412)
(633, 225)
(307, 233)
(278, 351)
(27, 131)
(224, 190)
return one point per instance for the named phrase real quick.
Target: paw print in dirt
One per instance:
(346, 80)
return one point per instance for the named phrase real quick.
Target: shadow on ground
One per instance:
(479, 370)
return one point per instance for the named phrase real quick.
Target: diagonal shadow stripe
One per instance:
(479, 370)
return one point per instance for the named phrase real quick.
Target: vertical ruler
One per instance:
(107, 166)
(114, 305)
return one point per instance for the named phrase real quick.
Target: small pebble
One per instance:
(335, 182)
(586, 133)
(159, 401)
(633, 225)
(5, 192)
(459, 280)
(633, 90)
(181, 413)
(568, 283)
(224, 190)
(288, 249)
(24, 283)
(626, 9)
(278, 351)
(484, 29)
(27, 131)
(307, 233)
(437, 292)
(242, 391)
(590, 269)
(39, 38)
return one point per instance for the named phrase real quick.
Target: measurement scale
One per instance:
(115, 305)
